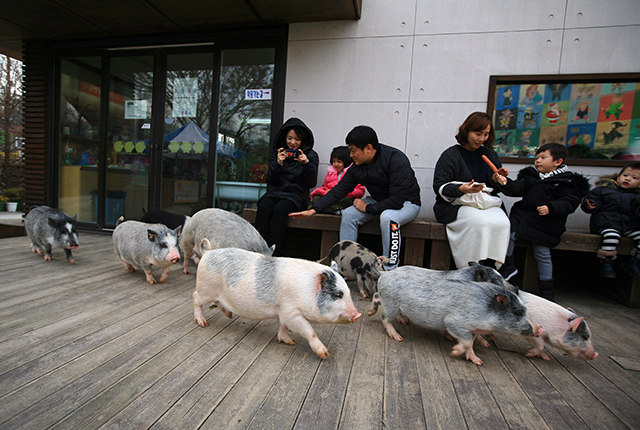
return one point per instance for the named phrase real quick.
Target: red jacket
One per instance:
(331, 180)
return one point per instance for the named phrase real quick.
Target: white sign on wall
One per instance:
(135, 109)
(185, 97)
(264, 94)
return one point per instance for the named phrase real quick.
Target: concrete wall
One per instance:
(414, 69)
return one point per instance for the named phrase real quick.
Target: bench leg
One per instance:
(413, 252)
(440, 255)
(329, 238)
(530, 276)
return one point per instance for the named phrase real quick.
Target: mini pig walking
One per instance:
(256, 286)
(139, 246)
(355, 262)
(462, 308)
(223, 229)
(563, 329)
(47, 227)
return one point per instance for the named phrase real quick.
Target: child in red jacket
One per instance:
(340, 163)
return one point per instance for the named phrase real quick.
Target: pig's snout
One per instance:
(355, 317)
(350, 316)
(173, 257)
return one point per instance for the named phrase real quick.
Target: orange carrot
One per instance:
(490, 164)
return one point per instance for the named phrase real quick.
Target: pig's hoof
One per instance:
(202, 322)
(72, 260)
(534, 353)
(324, 354)
(186, 271)
(47, 258)
(482, 341)
(474, 359)
(396, 336)
(288, 341)
(152, 281)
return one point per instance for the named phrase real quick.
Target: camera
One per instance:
(292, 153)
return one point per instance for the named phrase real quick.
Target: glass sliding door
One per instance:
(244, 124)
(79, 130)
(129, 134)
(187, 130)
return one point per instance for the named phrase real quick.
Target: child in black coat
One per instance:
(614, 205)
(550, 193)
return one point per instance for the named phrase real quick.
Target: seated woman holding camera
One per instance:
(293, 170)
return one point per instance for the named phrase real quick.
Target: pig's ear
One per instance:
(480, 273)
(500, 301)
(151, 235)
(574, 324)
(334, 266)
(75, 217)
(178, 230)
(474, 263)
(53, 223)
(320, 278)
(273, 248)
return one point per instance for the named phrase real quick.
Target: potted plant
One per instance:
(14, 195)
(3, 202)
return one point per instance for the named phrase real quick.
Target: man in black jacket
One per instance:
(391, 182)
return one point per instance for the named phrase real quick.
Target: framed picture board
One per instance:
(596, 116)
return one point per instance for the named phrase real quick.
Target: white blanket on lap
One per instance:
(479, 234)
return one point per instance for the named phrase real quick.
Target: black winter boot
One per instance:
(509, 269)
(632, 266)
(546, 289)
(606, 268)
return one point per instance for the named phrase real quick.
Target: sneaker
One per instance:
(508, 270)
(606, 268)
(632, 267)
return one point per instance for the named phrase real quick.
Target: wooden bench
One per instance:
(414, 235)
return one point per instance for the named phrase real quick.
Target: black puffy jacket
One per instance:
(562, 193)
(293, 179)
(389, 179)
(616, 207)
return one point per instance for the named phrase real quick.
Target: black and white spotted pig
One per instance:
(357, 263)
(47, 227)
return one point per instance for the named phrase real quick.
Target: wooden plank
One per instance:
(479, 408)
(402, 396)
(516, 406)
(362, 407)
(439, 400)
(554, 409)
(221, 366)
(280, 408)
(67, 383)
(323, 402)
(414, 252)
(440, 258)
(244, 399)
(99, 410)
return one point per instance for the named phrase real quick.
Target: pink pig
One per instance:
(257, 286)
(562, 329)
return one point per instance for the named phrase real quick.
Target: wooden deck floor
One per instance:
(90, 346)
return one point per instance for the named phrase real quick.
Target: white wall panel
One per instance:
(598, 13)
(432, 129)
(602, 50)
(447, 17)
(456, 68)
(379, 19)
(349, 70)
